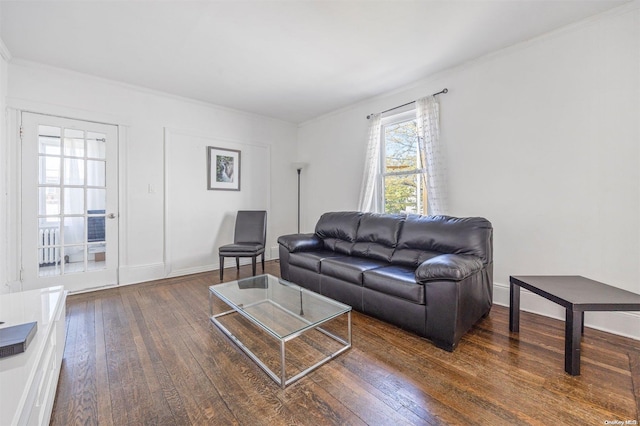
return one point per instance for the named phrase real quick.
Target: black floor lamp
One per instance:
(299, 167)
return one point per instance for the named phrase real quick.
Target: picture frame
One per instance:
(223, 169)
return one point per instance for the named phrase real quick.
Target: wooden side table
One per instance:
(577, 295)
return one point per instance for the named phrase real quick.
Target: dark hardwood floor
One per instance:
(147, 354)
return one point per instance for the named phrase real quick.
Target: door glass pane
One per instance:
(49, 131)
(97, 257)
(49, 146)
(74, 134)
(49, 140)
(49, 246)
(73, 201)
(52, 269)
(96, 145)
(95, 228)
(74, 230)
(73, 171)
(74, 259)
(96, 173)
(96, 200)
(49, 170)
(73, 147)
(48, 201)
(52, 236)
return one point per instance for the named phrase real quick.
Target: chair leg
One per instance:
(237, 263)
(253, 265)
(263, 263)
(221, 267)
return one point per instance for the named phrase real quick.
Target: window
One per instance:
(403, 173)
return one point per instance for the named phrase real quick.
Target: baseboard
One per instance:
(230, 262)
(194, 270)
(141, 273)
(156, 271)
(625, 324)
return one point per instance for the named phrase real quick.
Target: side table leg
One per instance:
(572, 337)
(514, 307)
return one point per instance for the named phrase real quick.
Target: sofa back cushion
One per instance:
(338, 230)
(377, 236)
(405, 240)
(444, 234)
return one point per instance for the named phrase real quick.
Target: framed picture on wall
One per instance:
(223, 169)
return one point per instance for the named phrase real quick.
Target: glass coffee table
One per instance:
(314, 325)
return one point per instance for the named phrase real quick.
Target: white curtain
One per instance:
(369, 200)
(432, 154)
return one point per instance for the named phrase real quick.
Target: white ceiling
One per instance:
(292, 60)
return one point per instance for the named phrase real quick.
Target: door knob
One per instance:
(111, 216)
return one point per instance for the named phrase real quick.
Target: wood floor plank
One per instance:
(104, 415)
(148, 354)
(62, 413)
(154, 404)
(84, 390)
(634, 366)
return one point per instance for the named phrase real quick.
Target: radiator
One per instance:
(49, 239)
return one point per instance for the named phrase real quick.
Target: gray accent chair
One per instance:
(249, 239)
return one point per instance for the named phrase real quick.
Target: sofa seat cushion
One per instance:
(396, 280)
(310, 259)
(349, 268)
(252, 248)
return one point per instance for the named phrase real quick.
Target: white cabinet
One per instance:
(28, 380)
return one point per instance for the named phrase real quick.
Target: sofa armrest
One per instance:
(453, 267)
(300, 242)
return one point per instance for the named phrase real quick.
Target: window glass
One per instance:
(401, 146)
(403, 177)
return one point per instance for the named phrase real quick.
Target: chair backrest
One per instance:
(251, 227)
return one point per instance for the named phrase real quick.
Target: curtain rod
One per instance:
(445, 90)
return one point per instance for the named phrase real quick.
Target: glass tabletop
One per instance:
(277, 305)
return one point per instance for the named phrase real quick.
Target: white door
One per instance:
(69, 203)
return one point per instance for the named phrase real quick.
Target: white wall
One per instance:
(144, 117)
(4, 155)
(188, 248)
(543, 140)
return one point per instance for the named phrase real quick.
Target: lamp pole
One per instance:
(299, 170)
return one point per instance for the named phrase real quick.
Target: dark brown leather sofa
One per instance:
(432, 275)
